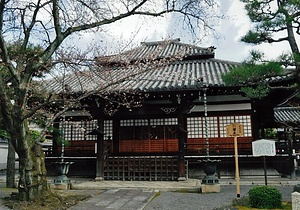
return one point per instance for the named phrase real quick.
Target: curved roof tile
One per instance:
(287, 114)
(197, 63)
(157, 50)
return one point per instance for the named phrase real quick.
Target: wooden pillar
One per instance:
(100, 156)
(55, 137)
(289, 138)
(97, 113)
(116, 141)
(182, 138)
(256, 121)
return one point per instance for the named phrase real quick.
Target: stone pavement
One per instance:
(115, 199)
(90, 184)
(188, 185)
(132, 195)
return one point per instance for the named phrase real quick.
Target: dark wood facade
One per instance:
(176, 119)
(150, 135)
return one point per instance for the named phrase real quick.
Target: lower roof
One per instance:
(287, 114)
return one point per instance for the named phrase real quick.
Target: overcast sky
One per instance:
(130, 32)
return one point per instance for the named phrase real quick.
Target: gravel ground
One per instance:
(210, 201)
(4, 192)
(190, 201)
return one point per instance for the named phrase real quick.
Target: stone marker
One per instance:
(295, 200)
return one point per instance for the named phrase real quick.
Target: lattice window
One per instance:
(127, 123)
(141, 122)
(216, 126)
(156, 128)
(90, 125)
(242, 119)
(171, 121)
(212, 126)
(156, 122)
(194, 127)
(66, 130)
(108, 129)
(148, 129)
(170, 128)
(78, 130)
(225, 120)
(246, 121)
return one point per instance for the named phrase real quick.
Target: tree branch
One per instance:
(57, 26)
(35, 109)
(27, 30)
(271, 40)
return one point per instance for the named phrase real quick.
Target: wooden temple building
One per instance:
(157, 109)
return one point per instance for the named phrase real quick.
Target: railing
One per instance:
(149, 145)
(150, 168)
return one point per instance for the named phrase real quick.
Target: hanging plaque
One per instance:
(235, 129)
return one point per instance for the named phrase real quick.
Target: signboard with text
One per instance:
(235, 129)
(263, 147)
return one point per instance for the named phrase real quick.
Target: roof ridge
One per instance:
(227, 61)
(177, 40)
(287, 107)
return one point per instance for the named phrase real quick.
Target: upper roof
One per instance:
(148, 51)
(153, 66)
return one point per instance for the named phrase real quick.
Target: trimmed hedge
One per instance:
(265, 197)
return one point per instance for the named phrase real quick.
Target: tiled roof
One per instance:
(287, 114)
(287, 75)
(157, 50)
(148, 68)
(178, 75)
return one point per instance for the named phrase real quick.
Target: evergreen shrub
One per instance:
(265, 197)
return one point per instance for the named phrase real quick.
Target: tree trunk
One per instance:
(10, 166)
(33, 181)
(295, 50)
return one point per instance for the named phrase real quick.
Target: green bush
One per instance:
(3, 134)
(265, 197)
(35, 134)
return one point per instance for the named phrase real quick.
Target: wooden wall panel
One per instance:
(148, 146)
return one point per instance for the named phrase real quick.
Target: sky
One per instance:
(130, 32)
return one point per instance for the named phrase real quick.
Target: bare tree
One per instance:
(40, 28)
